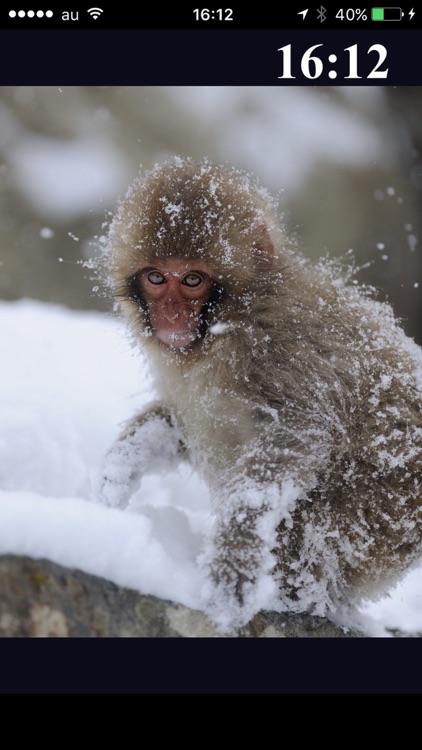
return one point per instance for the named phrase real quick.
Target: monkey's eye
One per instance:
(192, 279)
(156, 277)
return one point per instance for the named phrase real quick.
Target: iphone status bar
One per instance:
(312, 17)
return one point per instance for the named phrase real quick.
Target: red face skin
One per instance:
(175, 291)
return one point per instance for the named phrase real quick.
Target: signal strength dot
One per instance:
(30, 13)
(95, 12)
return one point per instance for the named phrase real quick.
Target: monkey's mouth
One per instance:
(177, 339)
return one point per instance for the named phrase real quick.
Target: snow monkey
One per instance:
(292, 391)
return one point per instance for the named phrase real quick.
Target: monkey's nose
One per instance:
(171, 312)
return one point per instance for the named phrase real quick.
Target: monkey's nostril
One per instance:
(171, 314)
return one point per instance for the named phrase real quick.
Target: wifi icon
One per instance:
(95, 12)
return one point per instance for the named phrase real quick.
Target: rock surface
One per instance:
(39, 598)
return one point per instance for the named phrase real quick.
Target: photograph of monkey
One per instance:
(265, 266)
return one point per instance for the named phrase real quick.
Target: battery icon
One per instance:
(386, 14)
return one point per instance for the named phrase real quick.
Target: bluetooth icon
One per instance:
(322, 14)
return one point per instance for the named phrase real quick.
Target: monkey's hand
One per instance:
(239, 561)
(148, 441)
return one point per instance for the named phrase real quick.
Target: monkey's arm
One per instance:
(251, 503)
(147, 442)
(239, 561)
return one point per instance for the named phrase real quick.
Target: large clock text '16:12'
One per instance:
(312, 66)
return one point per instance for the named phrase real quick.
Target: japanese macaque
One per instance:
(291, 390)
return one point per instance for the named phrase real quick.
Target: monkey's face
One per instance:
(175, 293)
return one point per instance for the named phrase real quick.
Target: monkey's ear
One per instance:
(264, 246)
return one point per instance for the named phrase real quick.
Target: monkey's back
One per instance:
(360, 527)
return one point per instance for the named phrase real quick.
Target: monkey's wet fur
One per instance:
(289, 387)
